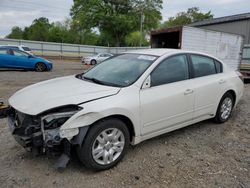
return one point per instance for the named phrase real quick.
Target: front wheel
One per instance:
(40, 67)
(225, 108)
(105, 144)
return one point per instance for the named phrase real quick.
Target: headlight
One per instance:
(68, 133)
(56, 119)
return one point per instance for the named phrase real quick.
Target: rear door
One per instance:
(209, 84)
(4, 58)
(169, 102)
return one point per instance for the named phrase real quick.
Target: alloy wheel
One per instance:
(226, 108)
(108, 146)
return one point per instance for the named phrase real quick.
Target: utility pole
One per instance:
(141, 27)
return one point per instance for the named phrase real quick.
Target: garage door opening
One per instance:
(166, 38)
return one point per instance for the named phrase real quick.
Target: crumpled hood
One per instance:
(57, 92)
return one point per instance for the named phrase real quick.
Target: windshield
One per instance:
(120, 71)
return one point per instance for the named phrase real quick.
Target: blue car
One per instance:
(17, 59)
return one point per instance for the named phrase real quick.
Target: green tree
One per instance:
(135, 39)
(16, 33)
(148, 11)
(26, 33)
(191, 15)
(56, 33)
(39, 30)
(116, 18)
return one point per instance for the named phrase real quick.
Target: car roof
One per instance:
(165, 51)
(8, 46)
(153, 51)
(104, 53)
(11, 45)
(4, 47)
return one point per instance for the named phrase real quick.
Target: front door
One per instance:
(22, 59)
(169, 102)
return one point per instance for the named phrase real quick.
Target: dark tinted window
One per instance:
(173, 69)
(203, 66)
(218, 66)
(26, 48)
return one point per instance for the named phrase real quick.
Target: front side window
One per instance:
(171, 70)
(19, 53)
(120, 71)
(203, 66)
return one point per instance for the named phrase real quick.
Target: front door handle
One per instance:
(188, 91)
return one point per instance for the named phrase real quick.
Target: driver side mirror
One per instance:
(30, 56)
(147, 83)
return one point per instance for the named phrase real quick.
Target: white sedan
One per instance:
(124, 100)
(98, 58)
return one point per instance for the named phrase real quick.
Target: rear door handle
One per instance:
(188, 91)
(222, 81)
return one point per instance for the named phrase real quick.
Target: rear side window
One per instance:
(3, 52)
(203, 66)
(218, 66)
(171, 70)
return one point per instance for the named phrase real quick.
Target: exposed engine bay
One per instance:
(40, 134)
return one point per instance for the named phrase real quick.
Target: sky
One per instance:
(23, 12)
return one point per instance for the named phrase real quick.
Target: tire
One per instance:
(93, 62)
(40, 67)
(113, 145)
(228, 101)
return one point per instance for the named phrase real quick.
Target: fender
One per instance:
(73, 126)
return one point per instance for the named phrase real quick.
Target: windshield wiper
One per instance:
(94, 80)
(100, 82)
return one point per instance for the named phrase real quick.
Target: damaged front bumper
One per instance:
(41, 134)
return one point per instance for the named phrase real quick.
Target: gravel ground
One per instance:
(201, 155)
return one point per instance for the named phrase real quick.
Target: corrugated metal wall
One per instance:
(236, 27)
(64, 49)
(224, 46)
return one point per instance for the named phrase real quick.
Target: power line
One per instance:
(31, 9)
(38, 5)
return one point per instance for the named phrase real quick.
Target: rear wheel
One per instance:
(225, 108)
(40, 67)
(105, 144)
(93, 62)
